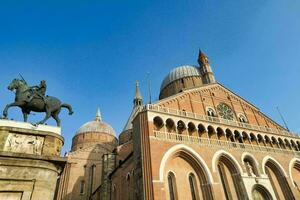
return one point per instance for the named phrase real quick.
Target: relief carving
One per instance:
(19, 143)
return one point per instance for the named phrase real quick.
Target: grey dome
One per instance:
(179, 73)
(96, 126)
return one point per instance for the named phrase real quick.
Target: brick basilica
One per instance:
(200, 140)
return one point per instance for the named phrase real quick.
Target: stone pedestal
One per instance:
(30, 161)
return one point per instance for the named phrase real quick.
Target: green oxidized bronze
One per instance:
(34, 99)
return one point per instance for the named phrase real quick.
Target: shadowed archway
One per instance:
(190, 174)
(230, 177)
(278, 180)
(259, 192)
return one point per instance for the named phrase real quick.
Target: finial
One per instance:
(98, 115)
(149, 87)
(137, 91)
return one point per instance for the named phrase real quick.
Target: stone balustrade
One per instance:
(208, 142)
(206, 118)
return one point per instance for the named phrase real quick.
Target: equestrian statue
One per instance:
(34, 98)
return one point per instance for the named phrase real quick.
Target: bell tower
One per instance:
(205, 69)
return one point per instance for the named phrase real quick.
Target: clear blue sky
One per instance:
(91, 52)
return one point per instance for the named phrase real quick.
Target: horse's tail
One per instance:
(69, 107)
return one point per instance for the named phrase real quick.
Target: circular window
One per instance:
(225, 111)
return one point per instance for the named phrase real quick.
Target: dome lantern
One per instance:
(98, 115)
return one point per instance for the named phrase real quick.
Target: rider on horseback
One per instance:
(39, 90)
(34, 99)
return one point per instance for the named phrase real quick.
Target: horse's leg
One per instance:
(48, 115)
(11, 105)
(56, 118)
(25, 115)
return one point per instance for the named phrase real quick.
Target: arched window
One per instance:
(260, 139)
(193, 187)
(180, 126)
(191, 128)
(238, 136)
(220, 134)
(298, 144)
(128, 185)
(294, 146)
(287, 144)
(281, 143)
(211, 112)
(170, 124)
(201, 130)
(172, 186)
(268, 141)
(278, 180)
(260, 192)
(231, 179)
(91, 183)
(158, 123)
(295, 175)
(81, 187)
(114, 190)
(211, 132)
(242, 118)
(274, 142)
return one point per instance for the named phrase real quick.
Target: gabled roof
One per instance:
(207, 86)
(132, 115)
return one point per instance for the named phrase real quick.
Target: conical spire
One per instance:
(202, 58)
(98, 115)
(137, 91)
(207, 73)
(137, 102)
(137, 97)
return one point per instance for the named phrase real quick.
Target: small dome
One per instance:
(96, 126)
(179, 73)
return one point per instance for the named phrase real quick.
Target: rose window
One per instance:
(225, 111)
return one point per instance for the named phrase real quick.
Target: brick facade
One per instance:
(199, 141)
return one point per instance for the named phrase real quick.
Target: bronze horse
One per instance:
(50, 105)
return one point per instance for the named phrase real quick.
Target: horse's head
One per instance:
(15, 84)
